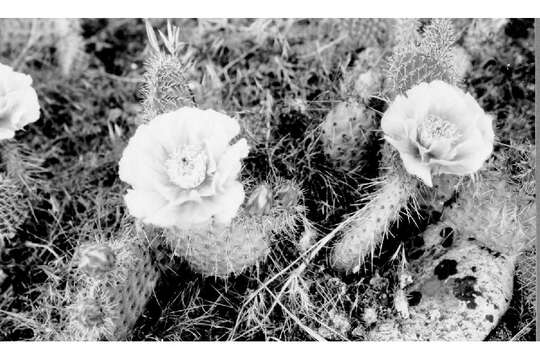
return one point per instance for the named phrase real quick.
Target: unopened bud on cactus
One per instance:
(261, 200)
(346, 133)
(288, 194)
(423, 60)
(96, 260)
(91, 314)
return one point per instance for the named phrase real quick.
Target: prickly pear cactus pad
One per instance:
(346, 132)
(294, 179)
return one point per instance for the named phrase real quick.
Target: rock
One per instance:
(460, 292)
(463, 279)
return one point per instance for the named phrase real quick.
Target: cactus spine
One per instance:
(415, 59)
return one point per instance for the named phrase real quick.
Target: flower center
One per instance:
(434, 128)
(186, 166)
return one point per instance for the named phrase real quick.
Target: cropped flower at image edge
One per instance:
(183, 170)
(19, 104)
(438, 129)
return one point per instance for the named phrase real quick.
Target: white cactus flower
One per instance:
(183, 170)
(19, 104)
(438, 129)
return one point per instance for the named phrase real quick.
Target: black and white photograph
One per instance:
(267, 179)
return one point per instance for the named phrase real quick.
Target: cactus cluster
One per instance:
(221, 250)
(113, 281)
(416, 58)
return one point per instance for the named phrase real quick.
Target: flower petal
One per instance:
(142, 204)
(223, 207)
(416, 167)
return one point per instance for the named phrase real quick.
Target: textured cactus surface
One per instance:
(222, 250)
(346, 133)
(368, 32)
(114, 281)
(166, 88)
(219, 250)
(490, 211)
(372, 222)
(370, 225)
(13, 208)
(481, 34)
(422, 57)
(416, 58)
(19, 177)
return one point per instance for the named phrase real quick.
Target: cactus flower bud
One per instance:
(97, 259)
(260, 201)
(91, 314)
(288, 194)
